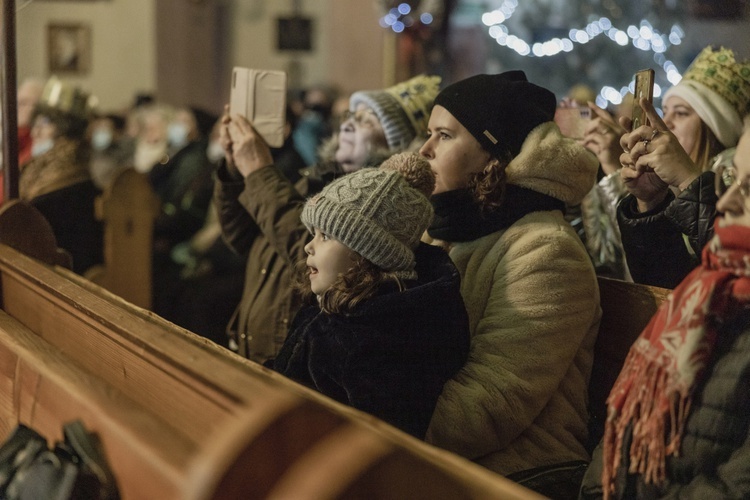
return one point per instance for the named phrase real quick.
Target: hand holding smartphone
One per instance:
(260, 96)
(644, 88)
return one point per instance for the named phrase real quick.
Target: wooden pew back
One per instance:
(626, 310)
(180, 417)
(127, 208)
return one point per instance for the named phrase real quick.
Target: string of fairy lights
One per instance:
(643, 37)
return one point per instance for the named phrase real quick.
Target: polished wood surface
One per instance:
(626, 310)
(180, 417)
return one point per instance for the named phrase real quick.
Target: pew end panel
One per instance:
(626, 310)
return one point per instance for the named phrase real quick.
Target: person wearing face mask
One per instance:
(668, 216)
(111, 150)
(56, 180)
(151, 147)
(259, 208)
(183, 183)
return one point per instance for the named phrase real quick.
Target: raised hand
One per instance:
(654, 147)
(602, 137)
(249, 151)
(226, 140)
(654, 160)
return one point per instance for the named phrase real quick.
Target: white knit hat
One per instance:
(403, 109)
(380, 213)
(718, 89)
(715, 112)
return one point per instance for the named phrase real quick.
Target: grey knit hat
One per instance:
(403, 109)
(380, 213)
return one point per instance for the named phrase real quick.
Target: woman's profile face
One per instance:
(359, 133)
(683, 122)
(453, 153)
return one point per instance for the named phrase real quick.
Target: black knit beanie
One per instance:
(499, 110)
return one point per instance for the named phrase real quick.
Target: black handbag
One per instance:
(74, 469)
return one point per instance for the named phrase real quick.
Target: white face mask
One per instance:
(38, 148)
(101, 139)
(214, 151)
(177, 135)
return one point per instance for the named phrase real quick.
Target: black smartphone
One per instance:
(644, 88)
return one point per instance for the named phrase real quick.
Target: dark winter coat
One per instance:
(260, 218)
(70, 212)
(714, 458)
(390, 356)
(664, 244)
(184, 185)
(58, 184)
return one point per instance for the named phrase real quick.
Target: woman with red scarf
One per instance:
(678, 422)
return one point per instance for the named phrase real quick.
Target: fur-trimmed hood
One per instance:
(552, 164)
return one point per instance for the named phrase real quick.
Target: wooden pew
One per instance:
(180, 417)
(127, 208)
(626, 310)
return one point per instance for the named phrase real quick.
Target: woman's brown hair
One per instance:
(488, 186)
(363, 280)
(708, 146)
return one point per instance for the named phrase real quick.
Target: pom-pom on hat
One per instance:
(403, 109)
(499, 110)
(380, 213)
(718, 89)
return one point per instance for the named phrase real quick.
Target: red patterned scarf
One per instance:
(654, 388)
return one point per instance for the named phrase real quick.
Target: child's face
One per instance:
(327, 258)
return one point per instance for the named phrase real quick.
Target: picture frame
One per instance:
(294, 33)
(68, 48)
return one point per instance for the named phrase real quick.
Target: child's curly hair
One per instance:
(362, 281)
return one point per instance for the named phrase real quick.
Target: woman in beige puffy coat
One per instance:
(504, 176)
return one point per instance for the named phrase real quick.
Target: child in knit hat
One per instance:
(389, 327)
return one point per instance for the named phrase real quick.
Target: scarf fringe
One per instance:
(647, 409)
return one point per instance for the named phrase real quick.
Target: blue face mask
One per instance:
(177, 135)
(101, 139)
(38, 148)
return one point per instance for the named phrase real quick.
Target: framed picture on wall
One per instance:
(69, 48)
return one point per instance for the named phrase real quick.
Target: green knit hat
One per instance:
(380, 213)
